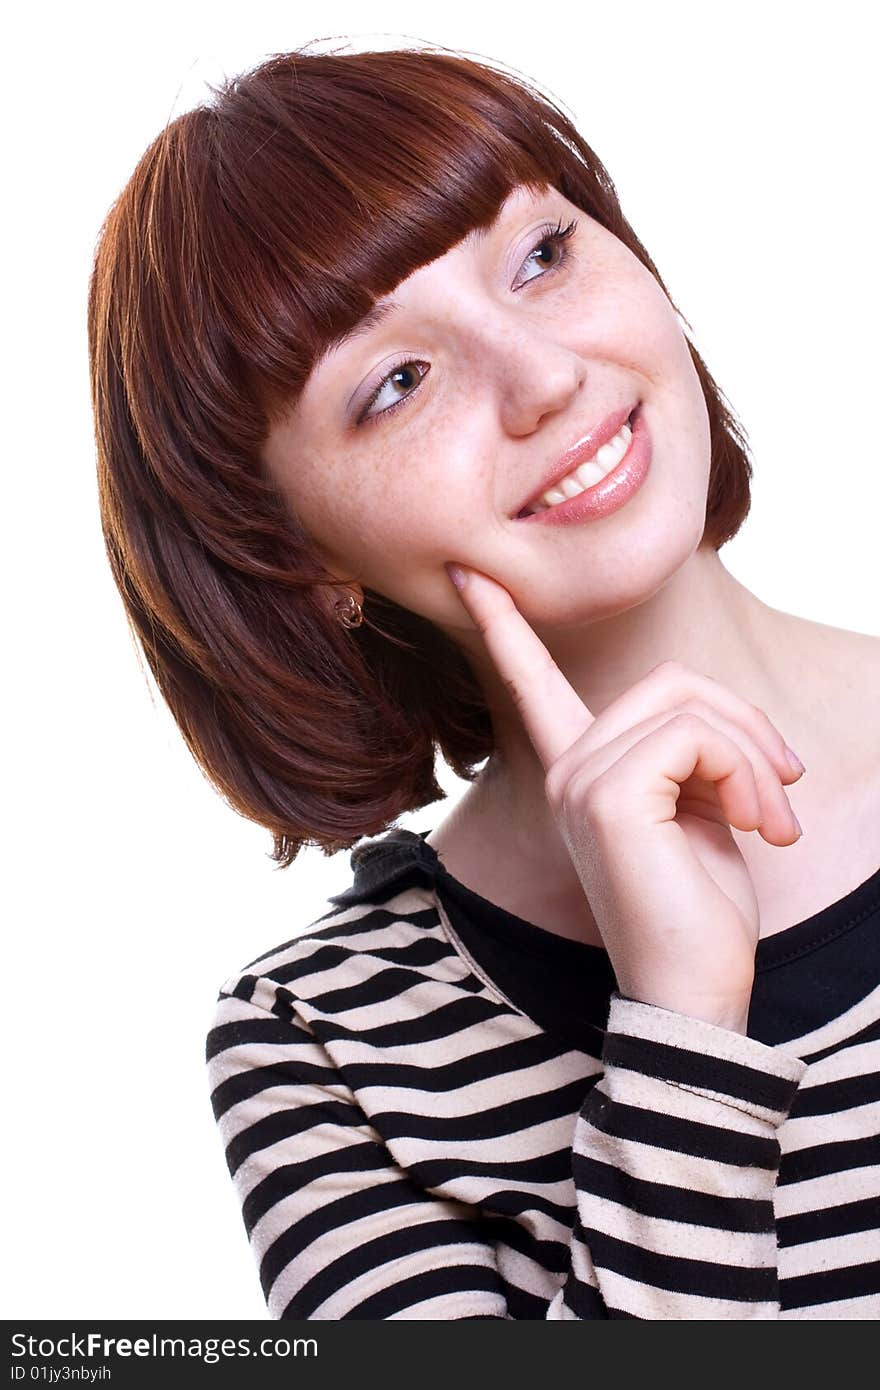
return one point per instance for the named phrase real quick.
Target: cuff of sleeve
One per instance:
(702, 1058)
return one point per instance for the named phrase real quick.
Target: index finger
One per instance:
(551, 709)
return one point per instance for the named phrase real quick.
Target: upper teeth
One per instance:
(586, 474)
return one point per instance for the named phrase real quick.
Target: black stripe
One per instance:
(367, 922)
(283, 1181)
(678, 1134)
(523, 1305)
(829, 1222)
(370, 1256)
(491, 1122)
(834, 1096)
(508, 1201)
(475, 1280)
(243, 1085)
(373, 991)
(667, 1203)
(583, 1300)
(377, 984)
(676, 1273)
(830, 1286)
(284, 1007)
(268, 1029)
(820, 1160)
(695, 1069)
(284, 1124)
(436, 1024)
(547, 1168)
(392, 1199)
(535, 1050)
(420, 952)
(505, 1234)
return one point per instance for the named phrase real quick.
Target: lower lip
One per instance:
(615, 489)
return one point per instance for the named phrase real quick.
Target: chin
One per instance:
(605, 581)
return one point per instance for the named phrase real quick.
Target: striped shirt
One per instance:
(408, 1140)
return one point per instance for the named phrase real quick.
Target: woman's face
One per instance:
(419, 440)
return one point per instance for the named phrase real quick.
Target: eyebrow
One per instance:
(380, 312)
(370, 320)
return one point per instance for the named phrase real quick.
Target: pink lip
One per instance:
(613, 492)
(580, 452)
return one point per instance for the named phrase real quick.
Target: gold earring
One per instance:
(349, 611)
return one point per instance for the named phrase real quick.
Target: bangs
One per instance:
(331, 180)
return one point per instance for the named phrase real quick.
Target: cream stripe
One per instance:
(862, 1059)
(859, 1122)
(830, 1190)
(497, 1089)
(837, 1252)
(648, 1302)
(679, 1170)
(666, 1098)
(341, 1303)
(743, 1249)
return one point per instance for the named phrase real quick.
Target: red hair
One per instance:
(254, 229)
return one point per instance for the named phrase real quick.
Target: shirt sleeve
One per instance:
(674, 1162)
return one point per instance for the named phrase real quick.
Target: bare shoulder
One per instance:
(832, 675)
(858, 666)
(839, 664)
(855, 699)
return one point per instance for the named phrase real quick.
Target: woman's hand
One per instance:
(644, 795)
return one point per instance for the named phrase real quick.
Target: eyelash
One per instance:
(554, 234)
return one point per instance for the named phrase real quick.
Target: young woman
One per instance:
(402, 446)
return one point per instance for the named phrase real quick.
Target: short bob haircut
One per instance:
(254, 229)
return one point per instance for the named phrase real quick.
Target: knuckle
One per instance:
(697, 707)
(598, 800)
(688, 721)
(763, 717)
(669, 670)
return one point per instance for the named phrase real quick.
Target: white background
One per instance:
(742, 139)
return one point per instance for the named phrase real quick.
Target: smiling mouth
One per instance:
(587, 474)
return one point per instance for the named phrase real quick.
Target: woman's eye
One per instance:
(553, 239)
(390, 392)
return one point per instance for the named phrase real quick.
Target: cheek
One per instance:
(432, 471)
(643, 332)
(390, 512)
(628, 317)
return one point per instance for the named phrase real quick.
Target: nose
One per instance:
(538, 376)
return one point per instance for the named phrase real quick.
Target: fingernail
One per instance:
(456, 574)
(796, 764)
(798, 825)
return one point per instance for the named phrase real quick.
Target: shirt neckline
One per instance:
(377, 862)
